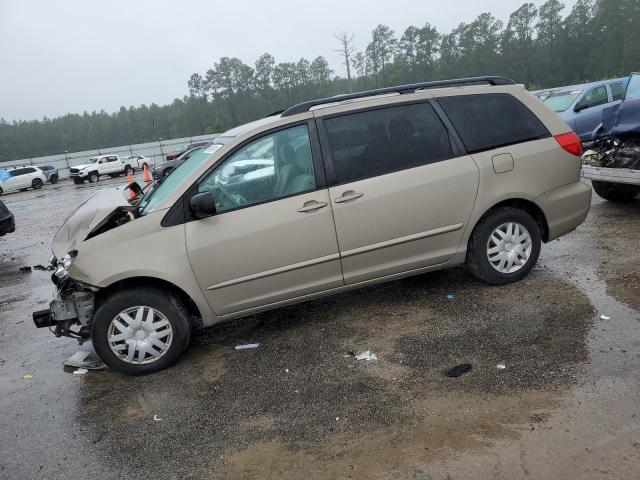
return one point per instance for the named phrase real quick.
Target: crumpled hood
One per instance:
(90, 215)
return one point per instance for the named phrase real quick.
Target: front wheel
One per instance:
(93, 177)
(616, 192)
(128, 170)
(141, 330)
(78, 181)
(504, 246)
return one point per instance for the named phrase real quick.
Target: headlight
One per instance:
(63, 266)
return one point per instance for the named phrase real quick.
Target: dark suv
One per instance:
(7, 223)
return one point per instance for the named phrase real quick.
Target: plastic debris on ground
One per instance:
(449, 296)
(604, 317)
(459, 370)
(25, 269)
(85, 359)
(501, 366)
(28, 376)
(156, 418)
(80, 371)
(366, 356)
(247, 346)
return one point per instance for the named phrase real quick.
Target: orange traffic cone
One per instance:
(147, 178)
(132, 194)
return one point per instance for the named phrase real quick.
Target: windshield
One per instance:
(93, 160)
(560, 101)
(156, 197)
(633, 88)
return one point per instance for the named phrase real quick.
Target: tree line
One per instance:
(538, 46)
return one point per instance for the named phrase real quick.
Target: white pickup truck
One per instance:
(111, 165)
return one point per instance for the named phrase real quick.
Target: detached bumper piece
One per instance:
(63, 314)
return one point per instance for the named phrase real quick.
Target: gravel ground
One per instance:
(301, 406)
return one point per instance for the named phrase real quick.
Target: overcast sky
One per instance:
(60, 56)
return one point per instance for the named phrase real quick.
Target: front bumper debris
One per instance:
(63, 314)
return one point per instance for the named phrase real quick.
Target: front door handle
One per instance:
(312, 206)
(348, 195)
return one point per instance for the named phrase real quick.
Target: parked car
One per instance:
(51, 173)
(111, 165)
(7, 223)
(362, 188)
(183, 148)
(138, 161)
(21, 178)
(614, 163)
(165, 168)
(581, 105)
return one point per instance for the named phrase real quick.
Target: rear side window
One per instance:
(489, 121)
(377, 142)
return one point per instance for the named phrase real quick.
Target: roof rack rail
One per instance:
(401, 89)
(277, 112)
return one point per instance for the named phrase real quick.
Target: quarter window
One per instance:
(274, 166)
(377, 142)
(489, 121)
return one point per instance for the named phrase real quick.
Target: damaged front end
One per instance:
(70, 312)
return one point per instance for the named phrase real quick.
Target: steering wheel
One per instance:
(234, 201)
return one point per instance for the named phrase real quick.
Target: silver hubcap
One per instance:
(140, 335)
(509, 247)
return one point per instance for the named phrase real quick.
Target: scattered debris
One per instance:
(85, 359)
(42, 268)
(604, 317)
(449, 296)
(28, 376)
(366, 356)
(25, 269)
(156, 418)
(337, 419)
(459, 370)
(80, 371)
(501, 366)
(286, 370)
(247, 346)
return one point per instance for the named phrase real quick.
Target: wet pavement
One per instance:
(301, 406)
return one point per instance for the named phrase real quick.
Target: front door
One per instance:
(273, 237)
(588, 113)
(402, 195)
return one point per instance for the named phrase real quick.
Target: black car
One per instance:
(7, 224)
(165, 168)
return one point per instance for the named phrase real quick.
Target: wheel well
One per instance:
(531, 208)
(194, 312)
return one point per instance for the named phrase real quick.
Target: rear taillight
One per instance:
(570, 142)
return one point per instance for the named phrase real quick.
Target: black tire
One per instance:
(24, 189)
(162, 301)
(93, 177)
(37, 184)
(78, 181)
(1, 191)
(477, 258)
(616, 192)
(53, 179)
(167, 172)
(128, 169)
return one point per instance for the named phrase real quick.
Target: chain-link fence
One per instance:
(156, 151)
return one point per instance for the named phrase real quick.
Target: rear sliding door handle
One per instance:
(349, 195)
(312, 206)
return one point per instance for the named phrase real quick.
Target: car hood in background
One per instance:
(89, 216)
(84, 165)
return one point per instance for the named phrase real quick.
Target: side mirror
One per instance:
(202, 205)
(579, 108)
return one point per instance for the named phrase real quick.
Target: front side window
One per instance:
(593, 98)
(633, 88)
(274, 166)
(382, 141)
(617, 90)
(492, 120)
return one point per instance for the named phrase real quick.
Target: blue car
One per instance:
(581, 105)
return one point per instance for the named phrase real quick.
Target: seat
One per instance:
(287, 169)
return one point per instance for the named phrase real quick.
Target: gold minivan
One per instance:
(327, 196)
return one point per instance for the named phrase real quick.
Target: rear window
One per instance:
(492, 120)
(377, 142)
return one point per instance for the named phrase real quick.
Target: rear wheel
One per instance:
(37, 184)
(616, 192)
(53, 179)
(504, 247)
(141, 330)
